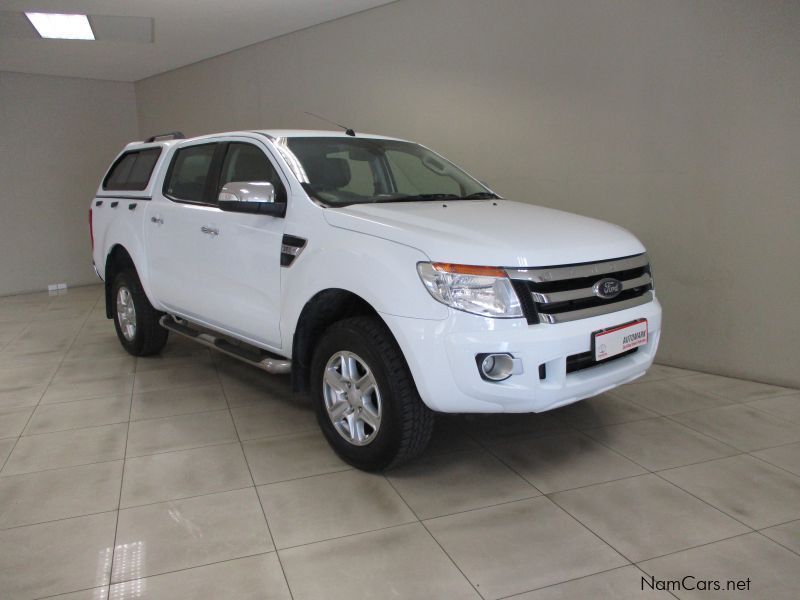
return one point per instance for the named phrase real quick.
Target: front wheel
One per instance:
(366, 402)
(135, 318)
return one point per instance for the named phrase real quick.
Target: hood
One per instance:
(489, 232)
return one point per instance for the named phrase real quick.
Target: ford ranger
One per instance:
(390, 283)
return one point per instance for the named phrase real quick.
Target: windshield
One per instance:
(340, 171)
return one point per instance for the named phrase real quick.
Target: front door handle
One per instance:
(157, 220)
(209, 230)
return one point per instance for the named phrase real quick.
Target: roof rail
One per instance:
(172, 135)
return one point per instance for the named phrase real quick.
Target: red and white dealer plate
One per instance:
(616, 340)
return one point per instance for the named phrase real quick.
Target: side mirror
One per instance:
(250, 197)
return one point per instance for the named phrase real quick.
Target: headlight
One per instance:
(484, 291)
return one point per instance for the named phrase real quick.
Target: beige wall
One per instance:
(679, 120)
(57, 137)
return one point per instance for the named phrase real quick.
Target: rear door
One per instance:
(177, 245)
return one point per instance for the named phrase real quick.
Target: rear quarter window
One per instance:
(132, 170)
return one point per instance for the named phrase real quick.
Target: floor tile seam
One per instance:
(208, 564)
(749, 404)
(657, 474)
(587, 576)
(343, 469)
(119, 496)
(708, 435)
(613, 450)
(60, 468)
(765, 461)
(280, 436)
(781, 394)
(695, 547)
(193, 447)
(188, 414)
(737, 452)
(182, 498)
(555, 503)
(46, 387)
(774, 541)
(532, 435)
(583, 429)
(78, 428)
(252, 479)
(59, 520)
(706, 502)
(84, 428)
(421, 522)
(81, 399)
(695, 372)
(729, 444)
(376, 530)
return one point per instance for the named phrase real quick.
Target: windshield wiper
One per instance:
(422, 197)
(418, 198)
(480, 196)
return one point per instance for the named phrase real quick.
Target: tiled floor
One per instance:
(192, 476)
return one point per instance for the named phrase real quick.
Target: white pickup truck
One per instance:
(389, 282)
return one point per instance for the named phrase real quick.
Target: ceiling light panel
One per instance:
(61, 27)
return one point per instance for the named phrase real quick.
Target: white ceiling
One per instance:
(182, 32)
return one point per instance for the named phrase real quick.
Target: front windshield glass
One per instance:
(340, 171)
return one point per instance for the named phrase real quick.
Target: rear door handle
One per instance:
(209, 230)
(157, 220)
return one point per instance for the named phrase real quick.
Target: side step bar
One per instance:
(261, 359)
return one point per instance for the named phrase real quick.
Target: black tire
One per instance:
(149, 337)
(406, 423)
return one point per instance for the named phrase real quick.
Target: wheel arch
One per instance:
(117, 260)
(321, 311)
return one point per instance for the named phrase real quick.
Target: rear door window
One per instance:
(132, 170)
(188, 173)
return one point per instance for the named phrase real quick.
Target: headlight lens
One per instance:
(484, 291)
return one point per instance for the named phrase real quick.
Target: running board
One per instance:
(261, 359)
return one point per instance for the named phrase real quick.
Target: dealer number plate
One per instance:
(616, 340)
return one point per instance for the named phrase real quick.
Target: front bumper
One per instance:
(441, 356)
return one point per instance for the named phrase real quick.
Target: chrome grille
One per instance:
(566, 293)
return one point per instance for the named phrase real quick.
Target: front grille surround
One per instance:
(564, 293)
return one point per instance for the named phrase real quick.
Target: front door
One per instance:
(245, 263)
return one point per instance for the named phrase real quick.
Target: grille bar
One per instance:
(587, 292)
(602, 309)
(543, 275)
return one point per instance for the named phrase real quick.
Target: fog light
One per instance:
(496, 367)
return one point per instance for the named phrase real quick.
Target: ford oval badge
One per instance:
(607, 288)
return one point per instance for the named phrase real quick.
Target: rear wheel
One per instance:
(135, 319)
(366, 402)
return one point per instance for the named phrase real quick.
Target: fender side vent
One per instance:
(291, 247)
